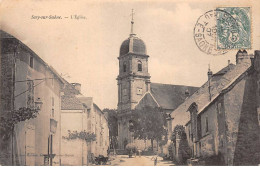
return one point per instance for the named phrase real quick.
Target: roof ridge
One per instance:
(167, 84)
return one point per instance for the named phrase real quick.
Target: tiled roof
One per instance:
(170, 96)
(70, 102)
(218, 82)
(69, 89)
(88, 101)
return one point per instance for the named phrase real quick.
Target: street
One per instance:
(124, 160)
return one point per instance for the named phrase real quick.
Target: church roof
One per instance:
(133, 45)
(170, 96)
(218, 83)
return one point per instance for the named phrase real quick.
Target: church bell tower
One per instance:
(133, 81)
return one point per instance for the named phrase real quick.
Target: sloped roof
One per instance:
(5, 36)
(69, 89)
(170, 96)
(69, 102)
(88, 101)
(225, 69)
(218, 82)
(147, 100)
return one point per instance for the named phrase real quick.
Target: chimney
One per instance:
(77, 86)
(241, 56)
(228, 64)
(210, 73)
(257, 60)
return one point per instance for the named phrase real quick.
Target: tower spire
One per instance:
(132, 23)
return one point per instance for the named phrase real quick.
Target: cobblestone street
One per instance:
(124, 160)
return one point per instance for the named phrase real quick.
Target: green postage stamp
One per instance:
(233, 28)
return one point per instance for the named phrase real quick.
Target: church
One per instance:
(135, 89)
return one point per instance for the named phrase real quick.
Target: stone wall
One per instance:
(242, 131)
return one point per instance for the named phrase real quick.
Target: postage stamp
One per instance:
(233, 28)
(205, 31)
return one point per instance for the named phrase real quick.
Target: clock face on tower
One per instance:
(139, 91)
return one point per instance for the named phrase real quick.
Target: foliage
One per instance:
(131, 147)
(149, 123)
(112, 125)
(170, 149)
(7, 123)
(180, 131)
(184, 151)
(83, 135)
(163, 142)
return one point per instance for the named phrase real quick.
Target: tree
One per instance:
(7, 123)
(149, 123)
(180, 131)
(182, 149)
(113, 126)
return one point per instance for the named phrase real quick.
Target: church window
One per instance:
(124, 92)
(207, 124)
(219, 108)
(139, 66)
(124, 66)
(31, 62)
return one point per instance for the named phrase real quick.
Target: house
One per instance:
(221, 119)
(97, 124)
(73, 118)
(80, 113)
(27, 80)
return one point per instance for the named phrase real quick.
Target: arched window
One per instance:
(124, 66)
(139, 66)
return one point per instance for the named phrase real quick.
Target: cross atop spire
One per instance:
(132, 23)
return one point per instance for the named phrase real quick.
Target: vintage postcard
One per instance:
(130, 83)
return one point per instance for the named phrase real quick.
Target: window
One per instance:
(207, 124)
(124, 92)
(30, 94)
(124, 66)
(52, 101)
(31, 62)
(139, 66)
(219, 108)
(52, 112)
(88, 113)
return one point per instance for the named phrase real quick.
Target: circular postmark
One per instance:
(205, 32)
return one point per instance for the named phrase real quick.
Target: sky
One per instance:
(87, 49)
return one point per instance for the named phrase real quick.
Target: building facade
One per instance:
(26, 78)
(80, 113)
(222, 118)
(73, 118)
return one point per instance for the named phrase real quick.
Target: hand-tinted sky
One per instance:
(87, 50)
